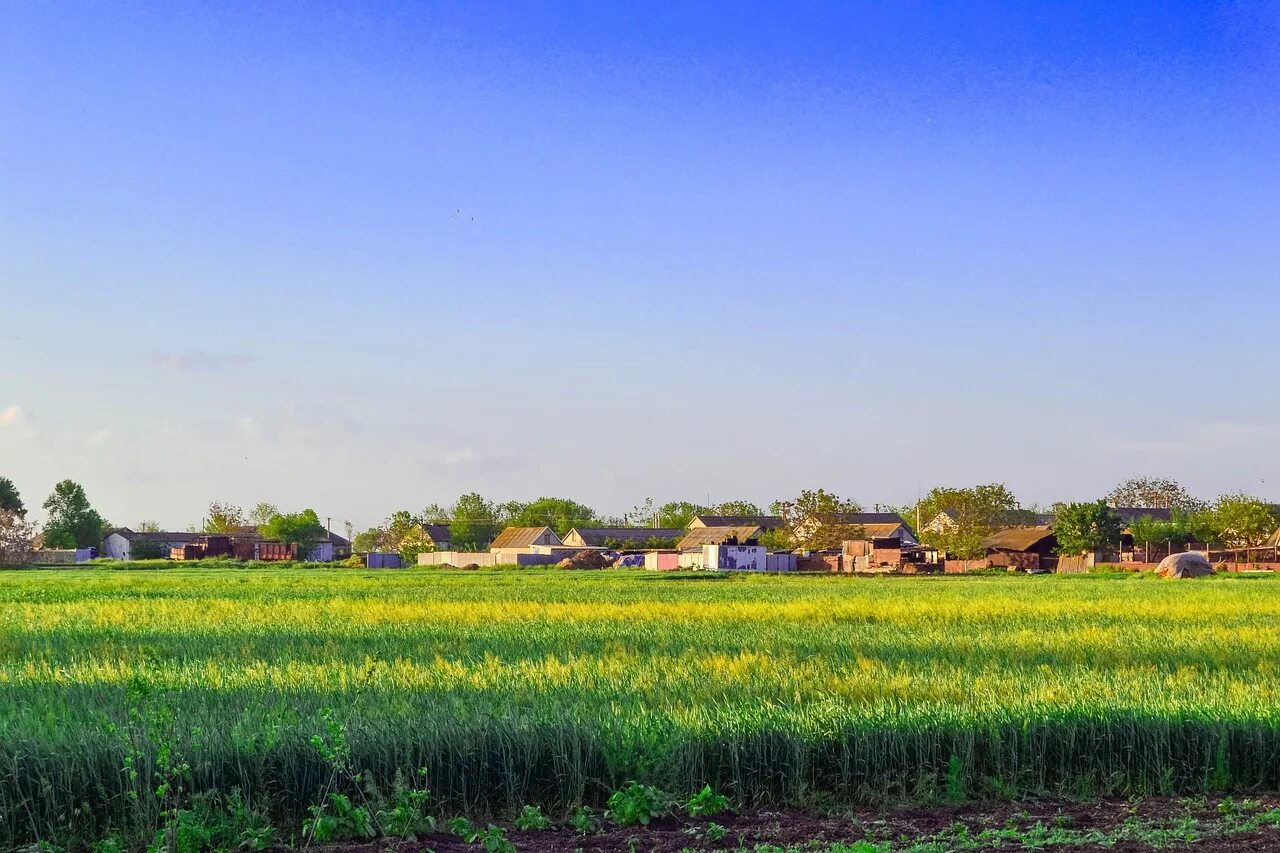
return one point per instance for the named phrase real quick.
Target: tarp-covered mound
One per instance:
(1186, 565)
(586, 560)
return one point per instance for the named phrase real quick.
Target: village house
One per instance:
(518, 538)
(437, 536)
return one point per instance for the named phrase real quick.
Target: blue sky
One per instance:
(368, 256)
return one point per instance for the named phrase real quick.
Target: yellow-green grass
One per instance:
(553, 687)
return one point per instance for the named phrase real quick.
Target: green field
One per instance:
(550, 687)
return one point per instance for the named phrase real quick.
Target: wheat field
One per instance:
(551, 687)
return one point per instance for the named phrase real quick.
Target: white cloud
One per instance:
(197, 361)
(461, 457)
(98, 437)
(248, 428)
(12, 416)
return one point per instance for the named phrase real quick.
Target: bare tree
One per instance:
(17, 539)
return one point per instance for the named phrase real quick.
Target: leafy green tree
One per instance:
(302, 529)
(819, 520)
(436, 514)
(10, 500)
(1154, 493)
(148, 526)
(1082, 528)
(223, 518)
(1184, 527)
(475, 522)
(262, 513)
(956, 520)
(678, 513)
(368, 541)
(560, 514)
(72, 523)
(1241, 521)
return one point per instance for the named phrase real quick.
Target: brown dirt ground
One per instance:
(784, 828)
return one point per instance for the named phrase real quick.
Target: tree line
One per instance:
(814, 520)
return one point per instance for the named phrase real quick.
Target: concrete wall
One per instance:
(662, 561)
(53, 557)
(457, 558)
(486, 559)
(691, 559)
(736, 558)
(780, 562)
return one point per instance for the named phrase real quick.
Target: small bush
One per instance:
(706, 803)
(584, 820)
(635, 803)
(531, 817)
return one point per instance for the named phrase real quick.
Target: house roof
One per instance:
(1016, 538)
(700, 536)
(773, 522)
(883, 530)
(599, 535)
(869, 518)
(767, 522)
(135, 536)
(437, 532)
(521, 537)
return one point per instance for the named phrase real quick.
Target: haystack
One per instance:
(1185, 565)
(586, 560)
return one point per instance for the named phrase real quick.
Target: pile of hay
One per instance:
(586, 560)
(1186, 565)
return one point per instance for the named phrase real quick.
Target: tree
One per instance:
(1182, 528)
(819, 520)
(475, 522)
(972, 515)
(1153, 493)
(1085, 527)
(17, 538)
(369, 541)
(736, 508)
(223, 518)
(72, 522)
(560, 514)
(263, 513)
(147, 526)
(436, 514)
(677, 513)
(642, 515)
(1241, 521)
(302, 529)
(10, 500)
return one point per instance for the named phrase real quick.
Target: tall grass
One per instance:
(553, 687)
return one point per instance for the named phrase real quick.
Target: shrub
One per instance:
(706, 803)
(635, 803)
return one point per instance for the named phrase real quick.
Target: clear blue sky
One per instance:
(368, 256)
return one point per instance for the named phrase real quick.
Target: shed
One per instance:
(1021, 547)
